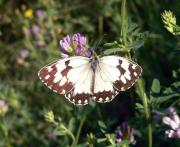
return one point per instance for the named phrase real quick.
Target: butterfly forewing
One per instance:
(61, 75)
(122, 72)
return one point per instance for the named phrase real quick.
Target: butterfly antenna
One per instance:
(97, 44)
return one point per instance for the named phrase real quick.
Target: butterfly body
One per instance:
(82, 79)
(94, 62)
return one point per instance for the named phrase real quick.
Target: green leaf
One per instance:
(167, 94)
(131, 26)
(156, 87)
(139, 106)
(101, 140)
(111, 44)
(102, 125)
(59, 133)
(82, 145)
(1, 2)
(125, 143)
(71, 125)
(137, 44)
(170, 92)
(115, 50)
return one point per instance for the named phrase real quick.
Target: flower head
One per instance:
(39, 13)
(23, 54)
(36, 30)
(78, 39)
(28, 13)
(125, 132)
(41, 43)
(75, 45)
(3, 107)
(169, 21)
(52, 136)
(65, 44)
(173, 121)
(49, 116)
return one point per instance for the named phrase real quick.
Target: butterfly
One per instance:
(82, 79)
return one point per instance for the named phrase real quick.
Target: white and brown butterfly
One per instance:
(82, 79)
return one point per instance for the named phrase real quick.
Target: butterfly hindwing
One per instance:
(103, 90)
(82, 91)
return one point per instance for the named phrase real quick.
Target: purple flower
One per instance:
(119, 136)
(80, 43)
(173, 121)
(23, 54)
(36, 30)
(41, 43)
(39, 13)
(65, 44)
(75, 45)
(63, 55)
(52, 136)
(79, 39)
(125, 132)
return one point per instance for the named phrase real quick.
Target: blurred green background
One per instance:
(29, 39)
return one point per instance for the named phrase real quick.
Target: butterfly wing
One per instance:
(82, 91)
(103, 90)
(114, 74)
(69, 76)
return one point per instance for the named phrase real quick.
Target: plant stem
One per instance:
(100, 21)
(123, 22)
(144, 99)
(100, 26)
(140, 88)
(79, 130)
(72, 136)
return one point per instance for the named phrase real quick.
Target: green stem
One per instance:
(72, 136)
(144, 99)
(140, 88)
(79, 130)
(123, 22)
(100, 26)
(100, 21)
